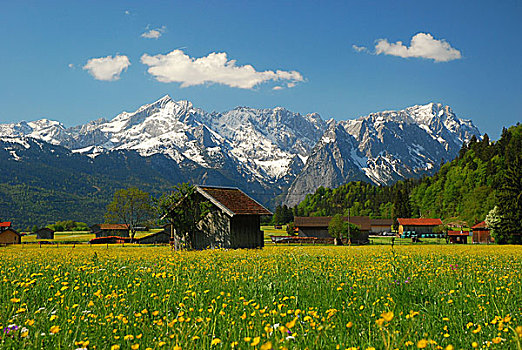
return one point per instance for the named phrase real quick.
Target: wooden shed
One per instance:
(481, 233)
(234, 220)
(419, 226)
(10, 236)
(380, 225)
(45, 233)
(106, 230)
(458, 237)
(161, 237)
(318, 226)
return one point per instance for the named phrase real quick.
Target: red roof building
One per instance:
(5, 225)
(458, 237)
(419, 226)
(481, 233)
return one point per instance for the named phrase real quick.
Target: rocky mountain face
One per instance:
(383, 147)
(266, 152)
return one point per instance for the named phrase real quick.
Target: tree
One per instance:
(130, 206)
(184, 210)
(290, 229)
(493, 222)
(510, 203)
(338, 228)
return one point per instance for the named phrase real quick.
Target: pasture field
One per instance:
(279, 297)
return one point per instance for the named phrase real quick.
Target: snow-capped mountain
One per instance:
(384, 147)
(268, 151)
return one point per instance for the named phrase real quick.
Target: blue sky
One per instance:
(76, 61)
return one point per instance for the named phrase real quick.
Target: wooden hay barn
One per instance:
(380, 225)
(10, 236)
(45, 233)
(318, 226)
(419, 226)
(110, 240)
(458, 237)
(106, 230)
(234, 220)
(481, 233)
(161, 237)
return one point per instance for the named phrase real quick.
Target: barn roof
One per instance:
(5, 224)
(232, 200)
(458, 233)
(322, 221)
(419, 222)
(10, 230)
(381, 222)
(480, 225)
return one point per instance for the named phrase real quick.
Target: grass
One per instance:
(425, 296)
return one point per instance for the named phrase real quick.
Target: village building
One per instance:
(318, 226)
(378, 226)
(458, 237)
(418, 226)
(481, 233)
(161, 237)
(45, 233)
(10, 236)
(234, 220)
(106, 230)
(5, 225)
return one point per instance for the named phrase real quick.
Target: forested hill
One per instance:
(464, 189)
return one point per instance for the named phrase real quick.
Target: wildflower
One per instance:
(387, 316)
(24, 332)
(161, 343)
(421, 344)
(474, 344)
(255, 341)
(53, 317)
(518, 330)
(135, 346)
(54, 329)
(266, 346)
(478, 329)
(215, 341)
(496, 340)
(450, 347)
(115, 347)
(349, 325)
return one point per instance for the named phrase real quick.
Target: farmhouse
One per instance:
(233, 221)
(458, 237)
(481, 233)
(106, 230)
(45, 233)
(380, 225)
(318, 226)
(5, 225)
(419, 226)
(10, 236)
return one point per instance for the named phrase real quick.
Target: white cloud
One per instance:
(153, 33)
(277, 88)
(176, 66)
(70, 65)
(422, 45)
(107, 68)
(359, 48)
(127, 12)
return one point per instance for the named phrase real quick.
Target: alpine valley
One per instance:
(274, 155)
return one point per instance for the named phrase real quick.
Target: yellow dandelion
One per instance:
(54, 329)
(135, 346)
(215, 341)
(266, 346)
(388, 316)
(255, 341)
(349, 324)
(422, 343)
(115, 347)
